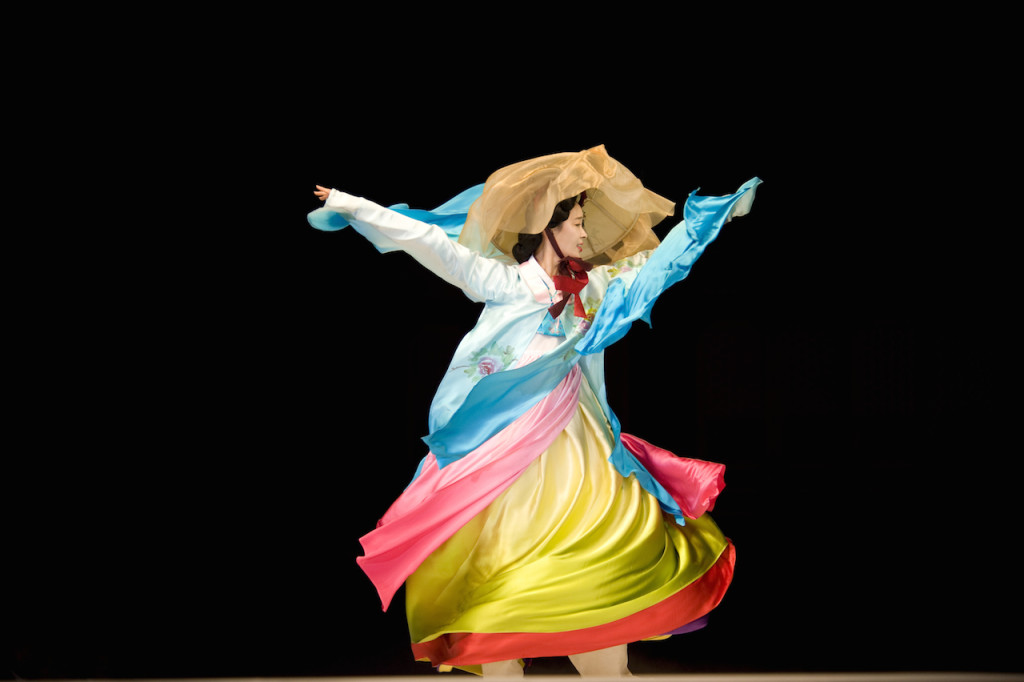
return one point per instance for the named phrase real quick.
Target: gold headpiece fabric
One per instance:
(618, 213)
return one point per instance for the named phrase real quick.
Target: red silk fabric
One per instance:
(693, 483)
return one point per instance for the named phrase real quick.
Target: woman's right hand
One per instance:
(322, 192)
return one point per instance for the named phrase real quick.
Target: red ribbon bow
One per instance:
(570, 281)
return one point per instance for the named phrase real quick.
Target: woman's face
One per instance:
(570, 234)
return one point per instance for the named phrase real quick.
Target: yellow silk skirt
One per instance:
(570, 545)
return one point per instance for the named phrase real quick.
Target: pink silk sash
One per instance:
(440, 501)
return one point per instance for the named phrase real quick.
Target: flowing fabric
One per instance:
(700, 597)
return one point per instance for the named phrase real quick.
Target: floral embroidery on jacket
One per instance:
(489, 360)
(590, 305)
(627, 264)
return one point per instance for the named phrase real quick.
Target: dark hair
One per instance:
(528, 243)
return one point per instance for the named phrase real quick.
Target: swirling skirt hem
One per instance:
(682, 612)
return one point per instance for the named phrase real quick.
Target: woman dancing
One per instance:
(534, 527)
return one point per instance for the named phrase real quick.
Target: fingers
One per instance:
(321, 192)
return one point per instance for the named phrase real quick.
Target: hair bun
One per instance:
(524, 248)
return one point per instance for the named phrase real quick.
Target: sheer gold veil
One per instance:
(618, 213)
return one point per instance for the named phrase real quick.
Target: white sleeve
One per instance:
(482, 279)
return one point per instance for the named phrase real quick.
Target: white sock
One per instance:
(610, 662)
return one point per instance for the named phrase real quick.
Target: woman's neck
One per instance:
(547, 259)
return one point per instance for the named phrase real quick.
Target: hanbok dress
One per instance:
(534, 527)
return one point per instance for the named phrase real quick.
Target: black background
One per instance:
(221, 400)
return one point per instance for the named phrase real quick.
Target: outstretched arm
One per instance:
(481, 278)
(704, 217)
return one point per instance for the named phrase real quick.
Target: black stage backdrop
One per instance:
(234, 398)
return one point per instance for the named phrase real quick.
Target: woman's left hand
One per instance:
(322, 192)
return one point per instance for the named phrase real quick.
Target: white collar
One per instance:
(540, 283)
